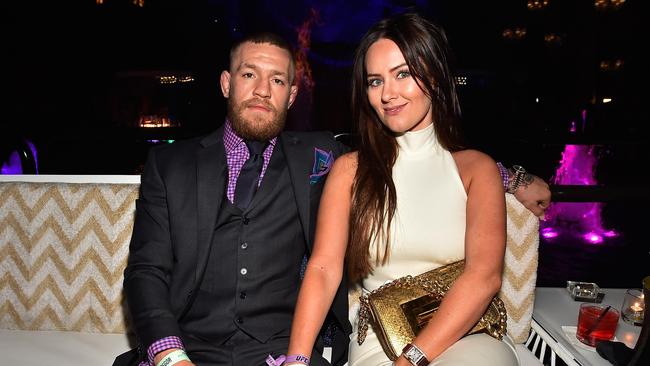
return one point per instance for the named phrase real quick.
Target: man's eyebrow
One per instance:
(391, 70)
(245, 65)
(277, 72)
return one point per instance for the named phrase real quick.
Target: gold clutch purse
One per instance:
(401, 308)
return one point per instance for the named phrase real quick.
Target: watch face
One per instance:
(413, 354)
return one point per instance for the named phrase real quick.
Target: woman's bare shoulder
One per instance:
(473, 160)
(345, 165)
(475, 165)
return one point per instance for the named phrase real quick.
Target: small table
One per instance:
(554, 308)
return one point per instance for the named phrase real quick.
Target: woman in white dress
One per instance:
(411, 199)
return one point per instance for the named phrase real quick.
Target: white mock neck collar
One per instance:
(418, 142)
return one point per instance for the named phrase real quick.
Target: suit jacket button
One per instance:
(246, 220)
(242, 295)
(243, 271)
(244, 245)
(240, 320)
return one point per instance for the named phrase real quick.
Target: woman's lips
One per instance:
(394, 110)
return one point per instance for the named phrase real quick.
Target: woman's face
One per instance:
(393, 93)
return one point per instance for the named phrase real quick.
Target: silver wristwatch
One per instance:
(415, 355)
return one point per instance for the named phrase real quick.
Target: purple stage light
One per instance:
(593, 238)
(14, 162)
(12, 165)
(549, 233)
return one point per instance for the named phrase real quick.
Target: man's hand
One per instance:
(535, 196)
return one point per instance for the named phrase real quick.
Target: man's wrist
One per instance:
(173, 357)
(518, 177)
(161, 347)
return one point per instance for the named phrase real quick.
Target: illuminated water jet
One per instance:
(578, 219)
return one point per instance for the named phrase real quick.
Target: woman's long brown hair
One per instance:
(374, 200)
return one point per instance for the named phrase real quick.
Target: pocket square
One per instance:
(322, 163)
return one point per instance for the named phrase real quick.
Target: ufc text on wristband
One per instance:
(297, 358)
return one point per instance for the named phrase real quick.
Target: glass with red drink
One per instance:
(596, 323)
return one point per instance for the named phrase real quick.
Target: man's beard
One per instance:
(256, 128)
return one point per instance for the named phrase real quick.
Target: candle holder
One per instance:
(633, 307)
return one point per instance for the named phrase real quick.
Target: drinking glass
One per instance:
(633, 306)
(596, 323)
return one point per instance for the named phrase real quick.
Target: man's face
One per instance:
(259, 90)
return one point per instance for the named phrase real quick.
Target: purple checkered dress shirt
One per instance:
(236, 155)
(504, 175)
(161, 345)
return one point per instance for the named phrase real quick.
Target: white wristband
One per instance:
(173, 357)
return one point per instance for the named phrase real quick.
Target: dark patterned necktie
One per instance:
(249, 175)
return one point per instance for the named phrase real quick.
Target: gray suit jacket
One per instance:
(181, 190)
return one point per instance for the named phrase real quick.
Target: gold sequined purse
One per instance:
(401, 308)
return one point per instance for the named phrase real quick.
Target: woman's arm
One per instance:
(325, 267)
(485, 240)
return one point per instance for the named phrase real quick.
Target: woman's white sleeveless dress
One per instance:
(428, 231)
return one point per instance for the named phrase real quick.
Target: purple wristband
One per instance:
(297, 358)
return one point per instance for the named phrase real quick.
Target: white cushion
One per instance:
(38, 348)
(526, 358)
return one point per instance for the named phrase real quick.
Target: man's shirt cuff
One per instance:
(504, 175)
(161, 345)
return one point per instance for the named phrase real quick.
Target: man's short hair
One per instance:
(264, 37)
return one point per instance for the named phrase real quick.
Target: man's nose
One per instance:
(262, 89)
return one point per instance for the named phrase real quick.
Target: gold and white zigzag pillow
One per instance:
(520, 268)
(63, 249)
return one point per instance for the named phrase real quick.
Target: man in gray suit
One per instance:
(211, 272)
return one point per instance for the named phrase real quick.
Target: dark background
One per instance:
(79, 75)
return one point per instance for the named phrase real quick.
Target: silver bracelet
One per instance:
(518, 178)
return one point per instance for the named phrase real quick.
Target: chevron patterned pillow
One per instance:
(520, 268)
(63, 249)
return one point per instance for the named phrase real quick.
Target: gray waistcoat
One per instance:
(253, 273)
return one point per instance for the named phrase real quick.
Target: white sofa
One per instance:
(63, 248)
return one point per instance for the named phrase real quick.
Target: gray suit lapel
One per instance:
(299, 162)
(212, 178)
